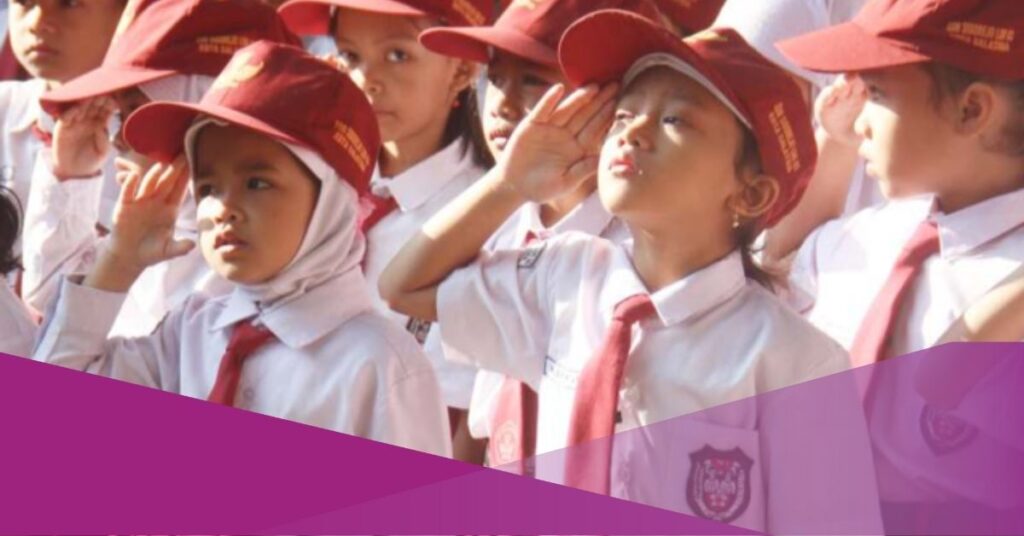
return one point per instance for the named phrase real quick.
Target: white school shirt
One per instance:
(539, 314)
(336, 363)
(421, 191)
(60, 238)
(19, 110)
(839, 272)
(588, 217)
(17, 329)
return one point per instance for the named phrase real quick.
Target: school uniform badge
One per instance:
(528, 257)
(718, 486)
(419, 329)
(944, 432)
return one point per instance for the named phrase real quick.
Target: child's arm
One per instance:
(836, 110)
(552, 151)
(75, 332)
(997, 317)
(59, 235)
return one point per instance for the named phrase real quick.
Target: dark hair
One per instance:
(463, 121)
(748, 160)
(10, 228)
(949, 82)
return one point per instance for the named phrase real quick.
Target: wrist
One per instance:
(62, 174)
(113, 272)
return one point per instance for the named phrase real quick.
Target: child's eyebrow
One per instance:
(255, 166)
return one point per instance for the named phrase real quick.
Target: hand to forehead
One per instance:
(555, 148)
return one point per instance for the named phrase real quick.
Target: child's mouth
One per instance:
(624, 165)
(228, 241)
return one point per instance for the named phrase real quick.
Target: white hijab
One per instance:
(332, 245)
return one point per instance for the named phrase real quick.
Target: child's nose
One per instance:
(507, 107)
(636, 132)
(861, 126)
(40, 18)
(226, 208)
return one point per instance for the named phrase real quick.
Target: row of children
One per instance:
(571, 254)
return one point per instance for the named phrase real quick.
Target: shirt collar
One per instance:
(968, 229)
(588, 217)
(310, 316)
(31, 111)
(416, 185)
(688, 298)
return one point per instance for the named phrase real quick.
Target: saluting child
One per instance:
(55, 41)
(520, 52)
(942, 133)
(278, 151)
(164, 50)
(17, 327)
(709, 143)
(432, 148)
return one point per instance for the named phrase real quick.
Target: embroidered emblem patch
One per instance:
(419, 329)
(718, 487)
(528, 257)
(944, 432)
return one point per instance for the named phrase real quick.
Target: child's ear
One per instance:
(976, 109)
(465, 75)
(757, 194)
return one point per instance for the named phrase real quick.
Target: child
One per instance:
(166, 50)
(278, 150)
(942, 133)
(737, 124)
(432, 149)
(520, 51)
(17, 328)
(56, 42)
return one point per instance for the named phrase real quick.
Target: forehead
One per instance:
(353, 24)
(665, 84)
(227, 142)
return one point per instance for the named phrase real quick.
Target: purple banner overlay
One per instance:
(928, 443)
(81, 454)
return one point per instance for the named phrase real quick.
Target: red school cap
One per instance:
(159, 38)
(762, 95)
(279, 91)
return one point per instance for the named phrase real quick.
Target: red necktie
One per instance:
(872, 340)
(514, 424)
(245, 339)
(597, 400)
(373, 208)
(42, 135)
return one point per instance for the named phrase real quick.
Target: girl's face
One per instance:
(905, 139)
(412, 89)
(514, 86)
(58, 40)
(255, 201)
(669, 161)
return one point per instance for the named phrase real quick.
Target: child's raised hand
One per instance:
(80, 139)
(143, 233)
(556, 147)
(838, 106)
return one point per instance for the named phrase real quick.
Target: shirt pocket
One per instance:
(693, 466)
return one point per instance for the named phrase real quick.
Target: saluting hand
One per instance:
(556, 147)
(80, 139)
(837, 108)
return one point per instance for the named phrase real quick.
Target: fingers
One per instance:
(587, 112)
(541, 113)
(593, 133)
(129, 178)
(569, 106)
(179, 182)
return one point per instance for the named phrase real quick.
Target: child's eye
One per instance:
(672, 120)
(397, 56)
(70, 3)
(531, 80)
(257, 183)
(203, 190)
(622, 115)
(347, 57)
(875, 93)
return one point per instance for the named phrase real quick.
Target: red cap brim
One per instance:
(95, 83)
(588, 54)
(846, 48)
(174, 119)
(474, 44)
(312, 17)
